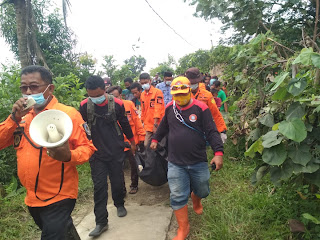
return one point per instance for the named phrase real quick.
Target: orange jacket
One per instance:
(205, 96)
(134, 121)
(50, 169)
(152, 106)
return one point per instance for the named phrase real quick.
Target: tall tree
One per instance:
(29, 50)
(109, 65)
(136, 64)
(199, 59)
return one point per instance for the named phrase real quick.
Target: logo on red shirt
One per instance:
(193, 118)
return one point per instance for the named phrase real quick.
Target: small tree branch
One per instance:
(269, 65)
(279, 44)
(264, 26)
(303, 39)
(315, 44)
(316, 22)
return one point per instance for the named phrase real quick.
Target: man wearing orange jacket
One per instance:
(200, 93)
(152, 106)
(138, 133)
(49, 175)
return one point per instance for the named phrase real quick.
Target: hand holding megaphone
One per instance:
(61, 153)
(22, 106)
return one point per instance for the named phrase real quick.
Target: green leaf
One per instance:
(259, 173)
(271, 139)
(297, 85)
(281, 94)
(275, 175)
(311, 218)
(255, 147)
(254, 134)
(300, 154)
(293, 129)
(311, 167)
(274, 156)
(304, 57)
(278, 80)
(267, 120)
(295, 110)
(315, 58)
(275, 127)
(313, 178)
(286, 170)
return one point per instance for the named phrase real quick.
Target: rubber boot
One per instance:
(197, 206)
(183, 222)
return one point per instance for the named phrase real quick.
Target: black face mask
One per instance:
(128, 88)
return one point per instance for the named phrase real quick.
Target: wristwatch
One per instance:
(156, 125)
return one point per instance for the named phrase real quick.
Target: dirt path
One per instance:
(146, 196)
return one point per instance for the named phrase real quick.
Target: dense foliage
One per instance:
(247, 18)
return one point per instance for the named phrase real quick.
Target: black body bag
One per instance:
(155, 164)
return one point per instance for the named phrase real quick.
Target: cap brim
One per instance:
(196, 80)
(180, 91)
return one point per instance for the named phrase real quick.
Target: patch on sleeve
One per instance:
(87, 130)
(159, 100)
(213, 101)
(17, 136)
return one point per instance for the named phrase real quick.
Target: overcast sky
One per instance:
(112, 27)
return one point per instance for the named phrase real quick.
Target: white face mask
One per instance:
(146, 86)
(194, 86)
(168, 83)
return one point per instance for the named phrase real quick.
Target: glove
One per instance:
(223, 137)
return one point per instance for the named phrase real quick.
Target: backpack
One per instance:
(109, 117)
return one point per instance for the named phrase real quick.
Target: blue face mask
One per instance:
(38, 98)
(212, 81)
(98, 100)
(146, 86)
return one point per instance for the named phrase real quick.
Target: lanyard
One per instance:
(40, 157)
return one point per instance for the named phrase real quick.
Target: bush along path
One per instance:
(235, 209)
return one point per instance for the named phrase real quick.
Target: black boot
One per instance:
(100, 228)
(121, 211)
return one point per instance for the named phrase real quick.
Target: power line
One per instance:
(168, 24)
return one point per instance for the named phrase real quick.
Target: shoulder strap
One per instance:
(112, 112)
(181, 119)
(90, 113)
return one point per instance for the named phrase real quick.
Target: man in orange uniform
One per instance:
(138, 133)
(200, 93)
(49, 175)
(152, 106)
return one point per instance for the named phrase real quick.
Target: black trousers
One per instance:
(54, 220)
(100, 169)
(133, 168)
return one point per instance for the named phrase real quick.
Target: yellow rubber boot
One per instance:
(197, 206)
(183, 222)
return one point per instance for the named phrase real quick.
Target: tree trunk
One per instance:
(29, 49)
(22, 33)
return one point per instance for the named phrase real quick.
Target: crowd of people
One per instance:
(111, 125)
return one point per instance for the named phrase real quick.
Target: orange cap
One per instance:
(180, 85)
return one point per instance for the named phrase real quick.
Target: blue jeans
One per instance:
(186, 179)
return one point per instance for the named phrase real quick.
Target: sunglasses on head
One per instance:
(182, 87)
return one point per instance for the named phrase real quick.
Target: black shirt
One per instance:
(104, 134)
(187, 146)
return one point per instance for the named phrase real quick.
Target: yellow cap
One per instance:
(180, 85)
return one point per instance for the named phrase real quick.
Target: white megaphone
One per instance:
(51, 128)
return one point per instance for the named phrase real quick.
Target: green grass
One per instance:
(237, 210)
